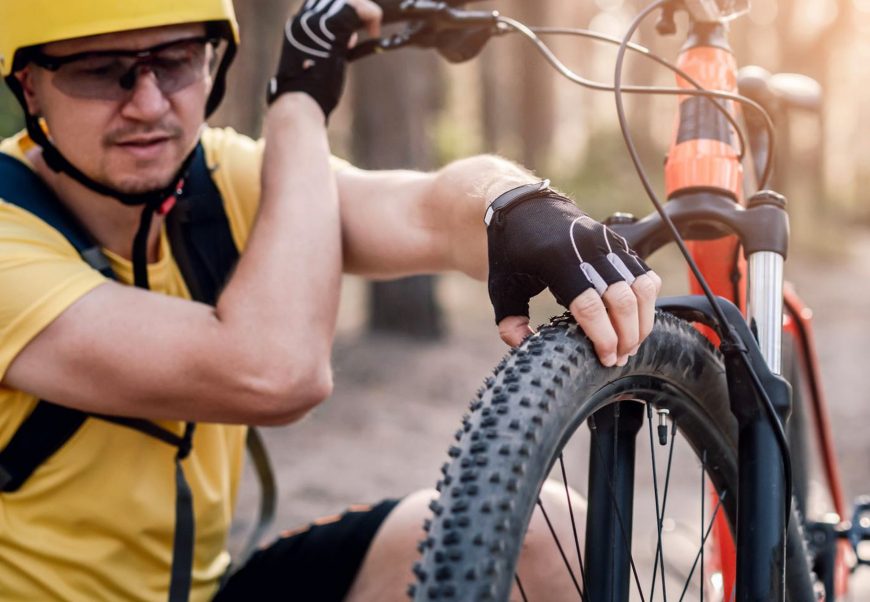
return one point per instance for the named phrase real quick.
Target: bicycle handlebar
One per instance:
(427, 21)
(405, 10)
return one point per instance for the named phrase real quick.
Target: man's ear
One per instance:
(25, 79)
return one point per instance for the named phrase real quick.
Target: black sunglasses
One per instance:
(111, 74)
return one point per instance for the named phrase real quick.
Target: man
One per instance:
(115, 96)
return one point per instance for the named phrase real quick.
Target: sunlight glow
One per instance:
(764, 13)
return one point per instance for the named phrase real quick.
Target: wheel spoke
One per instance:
(625, 540)
(659, 512)
(561, 550)
(573, 524)
(703, 507)
(703, 542)
(615, 470)
(660, 553)
(520, 586)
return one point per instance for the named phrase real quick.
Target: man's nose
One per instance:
(146, 101)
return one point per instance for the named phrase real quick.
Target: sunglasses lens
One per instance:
(92, 78)
(111, 76)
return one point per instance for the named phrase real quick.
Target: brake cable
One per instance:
(566, 72)
(727, 331)
(646, 52)
(455, 17)
(428, 18)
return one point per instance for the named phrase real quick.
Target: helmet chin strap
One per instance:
(151, 201)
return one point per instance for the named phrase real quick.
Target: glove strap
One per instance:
(514, 197)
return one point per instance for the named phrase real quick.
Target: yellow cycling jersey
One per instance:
(96, 520)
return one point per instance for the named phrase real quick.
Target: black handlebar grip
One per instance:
(393, 8)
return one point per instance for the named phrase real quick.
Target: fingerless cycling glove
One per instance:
(538, 238)
(314, 51)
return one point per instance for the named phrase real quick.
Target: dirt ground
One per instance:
(397, 402)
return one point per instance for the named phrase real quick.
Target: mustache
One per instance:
(169, 130)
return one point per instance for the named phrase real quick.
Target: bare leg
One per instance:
(386, 570)
(542, 569)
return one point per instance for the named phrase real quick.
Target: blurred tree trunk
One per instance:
(491, 93)
(261, 30)
(810, 58)
(395, 97)
(537, 101)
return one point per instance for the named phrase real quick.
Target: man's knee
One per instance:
(386, 570)
(541, 569)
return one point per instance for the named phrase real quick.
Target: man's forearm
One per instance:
(459, 196)
(285, 290)
(398, 223)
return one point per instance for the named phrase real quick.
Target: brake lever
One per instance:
(404, 38)
(403, 10)
(426, 20)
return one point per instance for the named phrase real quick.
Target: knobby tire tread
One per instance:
(522, 418)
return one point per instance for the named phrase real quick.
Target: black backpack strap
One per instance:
(205, 252)
(199, 234)
(23, 188)
(185, 521)
(41, 434)
(48, 426)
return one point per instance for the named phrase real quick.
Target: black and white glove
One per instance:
(538, 238)
(314, 50)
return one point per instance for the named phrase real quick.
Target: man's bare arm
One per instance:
(397, 223)
(400, 222)
(261, 356)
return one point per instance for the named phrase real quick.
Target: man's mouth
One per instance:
(144, 147)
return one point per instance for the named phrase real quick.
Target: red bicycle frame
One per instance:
(703, 157)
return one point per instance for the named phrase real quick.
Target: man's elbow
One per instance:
(290, 396)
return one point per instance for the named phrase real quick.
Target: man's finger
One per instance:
(513, 329)
(588, 309)
(622, 306)
(646, 288)
(370, 14)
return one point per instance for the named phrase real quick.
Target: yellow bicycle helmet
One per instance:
(25, 24)
(33, 22)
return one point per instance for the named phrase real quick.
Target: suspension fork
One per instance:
(762, 495)
(703, 158)
(613, 432)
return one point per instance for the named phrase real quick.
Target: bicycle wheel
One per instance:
(516, 434)
(796, 429)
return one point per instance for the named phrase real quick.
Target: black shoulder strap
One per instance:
(199, 234)
(49, 426)
(23, 188)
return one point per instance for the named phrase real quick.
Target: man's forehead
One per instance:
(126, 40)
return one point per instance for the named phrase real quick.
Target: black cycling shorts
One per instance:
(317, 563)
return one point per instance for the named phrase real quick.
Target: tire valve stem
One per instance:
(663, 426)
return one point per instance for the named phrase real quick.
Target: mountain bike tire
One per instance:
(519, 424)
(797, 428)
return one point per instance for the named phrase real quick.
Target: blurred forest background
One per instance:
(411, 109)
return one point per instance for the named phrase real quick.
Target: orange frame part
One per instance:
(699, 164)
(705, 162)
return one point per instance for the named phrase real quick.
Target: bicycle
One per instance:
(707, 374)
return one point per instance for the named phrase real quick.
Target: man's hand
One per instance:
(316, 41)
(541, 239)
